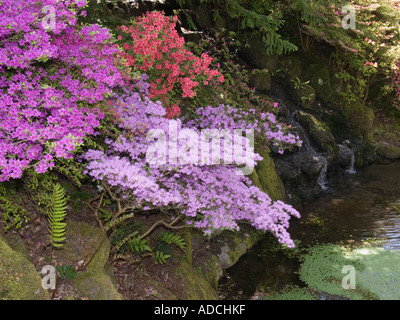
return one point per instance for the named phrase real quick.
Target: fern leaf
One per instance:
(172, 238)
(56, 215)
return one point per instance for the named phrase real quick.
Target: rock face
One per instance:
(388, 151)
(319, 131)
(260, 79)
(19, 279)
(85, 242)
(222, 251)
(265, 177)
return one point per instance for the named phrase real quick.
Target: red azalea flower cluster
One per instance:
(153, 46)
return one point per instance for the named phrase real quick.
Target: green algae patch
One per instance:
(292, 293)
(328, 268)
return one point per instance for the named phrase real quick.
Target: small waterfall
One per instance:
(351, 169)
(322, 181)
(347, 157)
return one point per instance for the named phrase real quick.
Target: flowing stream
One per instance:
(363, 205)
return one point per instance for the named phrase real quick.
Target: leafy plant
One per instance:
(160, 257)
(12, 215)
(56, 215)
(138, 245)
(66, 272)
(172, 238)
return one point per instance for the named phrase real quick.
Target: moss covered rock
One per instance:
(96, 285)
(360, 119)
(293, 293)
(265, 177)
(19, 279)
(197, 287)
(388, 151)
(318, 130)
(84, 242)
(260, 79)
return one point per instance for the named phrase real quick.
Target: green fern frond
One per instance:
(160, 257)
(172, 238)
(56, 215)
(138, 245)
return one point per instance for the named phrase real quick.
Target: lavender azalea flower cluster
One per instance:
(209, 196)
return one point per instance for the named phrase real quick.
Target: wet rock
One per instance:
(345, 155)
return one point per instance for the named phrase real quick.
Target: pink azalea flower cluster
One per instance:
(209, 196)
(50, 79)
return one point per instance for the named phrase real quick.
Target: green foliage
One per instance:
(12, 214)
(66, 272)
(171, 238)
(160, 257)
(40, 188)
(139, 245)
(56, 215)
(258, 16)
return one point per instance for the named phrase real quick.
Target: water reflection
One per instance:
(358, 207)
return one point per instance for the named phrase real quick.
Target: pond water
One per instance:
(361, 206)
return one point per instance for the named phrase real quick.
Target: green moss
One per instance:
(388, 151)
(318, 130)
(377, 271)
(84, 240)
(260, 79)
(320, 79)
(96, 285)
(19, 279)
(267, 177)
(197, 287)
(360, 119)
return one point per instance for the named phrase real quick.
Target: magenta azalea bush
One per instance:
(51, 80)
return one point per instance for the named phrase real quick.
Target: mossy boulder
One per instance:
(224, 251)
(19, 279)
(293, 64)
(89, 244)
(360, 119)
(265, 177)
(260, 79)
(318, 130)
(84, 242)
(305, 95)
(388, 151)
(96, 285)
(197, 287)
